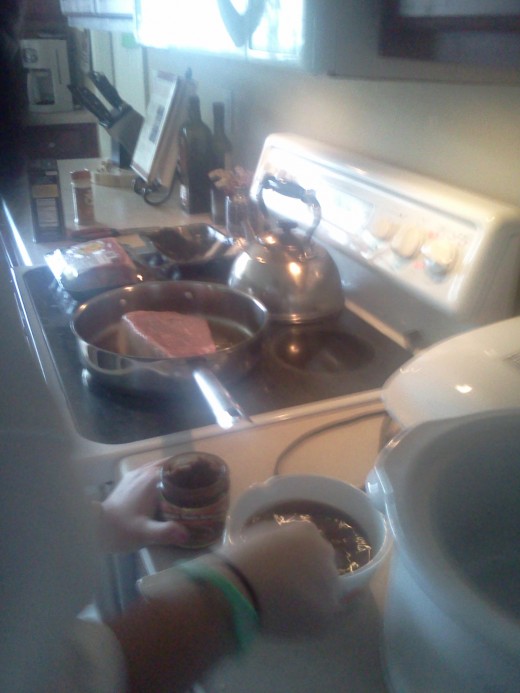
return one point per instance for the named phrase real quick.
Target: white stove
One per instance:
(420, 261)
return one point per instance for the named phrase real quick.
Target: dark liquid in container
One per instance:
(347, 538)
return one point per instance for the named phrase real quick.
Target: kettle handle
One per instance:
(290, 189)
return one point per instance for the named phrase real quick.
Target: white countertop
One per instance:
(115, 208)
(346, 657)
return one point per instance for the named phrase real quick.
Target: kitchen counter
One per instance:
(344, 658)
(115, 208)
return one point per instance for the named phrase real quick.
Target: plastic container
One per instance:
(452, 609)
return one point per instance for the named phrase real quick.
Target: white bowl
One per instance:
(347, 499)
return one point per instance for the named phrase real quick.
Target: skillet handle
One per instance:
(226, 411)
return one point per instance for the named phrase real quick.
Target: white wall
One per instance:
(467, 135)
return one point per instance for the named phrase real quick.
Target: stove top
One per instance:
(411, 253)
(298, 365)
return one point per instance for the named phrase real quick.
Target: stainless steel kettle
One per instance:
(292, 275)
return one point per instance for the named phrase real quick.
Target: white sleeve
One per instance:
(92, 661)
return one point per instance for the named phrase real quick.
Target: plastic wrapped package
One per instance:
(89, 268)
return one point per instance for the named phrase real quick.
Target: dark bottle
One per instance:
(221, 159)
(195, 160)
(221, 143)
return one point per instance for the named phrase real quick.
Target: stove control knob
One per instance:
(439, 256)
(407, 242)
(383, 229)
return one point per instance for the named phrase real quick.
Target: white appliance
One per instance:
(424, 258)
(450, 491)
(46, 62)
(473, 372)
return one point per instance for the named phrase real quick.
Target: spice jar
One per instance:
(237, 213)
(194, 491)
(82, 197)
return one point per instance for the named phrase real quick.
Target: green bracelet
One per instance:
(245, 618)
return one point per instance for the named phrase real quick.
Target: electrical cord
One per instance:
(153, 194)
(321, 429)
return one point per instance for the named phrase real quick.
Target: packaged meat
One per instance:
(165, 334)
(88, 268)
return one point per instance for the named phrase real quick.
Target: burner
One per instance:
(323, 351)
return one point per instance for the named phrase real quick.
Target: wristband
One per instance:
(245, 618)
(248, 587)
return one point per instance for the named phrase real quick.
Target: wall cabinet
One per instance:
(368, 39)
(481, 33)
(43, 10)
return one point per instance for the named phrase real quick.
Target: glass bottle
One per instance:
(221, 159)
(195, 160)
(222, 147)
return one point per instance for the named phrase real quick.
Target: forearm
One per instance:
(169, 643)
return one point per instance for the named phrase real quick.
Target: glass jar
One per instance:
(82, 197)
(194, 491)
(237, 213)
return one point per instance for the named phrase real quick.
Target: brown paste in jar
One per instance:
(194, 490)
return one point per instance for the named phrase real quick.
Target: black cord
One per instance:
(321, 429)
(157, 201)
(149, 190)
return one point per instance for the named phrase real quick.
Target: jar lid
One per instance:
(80, 175)
(194, 479)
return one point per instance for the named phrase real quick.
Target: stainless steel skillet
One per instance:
(237, 322)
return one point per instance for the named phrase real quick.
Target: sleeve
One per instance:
(92, 661)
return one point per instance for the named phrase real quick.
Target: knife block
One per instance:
(119, 155)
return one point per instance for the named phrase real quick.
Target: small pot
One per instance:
(293, 276)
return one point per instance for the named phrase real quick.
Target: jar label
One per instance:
(205, 525)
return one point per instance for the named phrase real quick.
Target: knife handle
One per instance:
(92, 104)
(106, 89)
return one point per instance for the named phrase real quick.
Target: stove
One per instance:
(412, 255)
(298, 365)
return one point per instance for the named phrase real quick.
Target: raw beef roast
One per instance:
(94, 266)
(165, 334)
